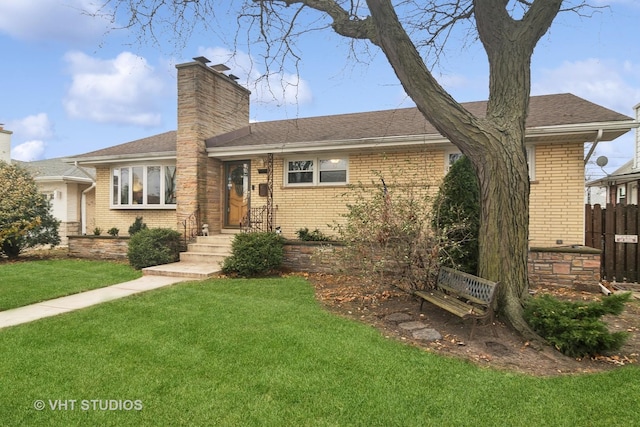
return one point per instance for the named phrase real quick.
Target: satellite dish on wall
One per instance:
(602, 161)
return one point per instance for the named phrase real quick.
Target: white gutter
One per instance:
(139, 157)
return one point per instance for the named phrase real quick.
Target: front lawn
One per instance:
(24, 283)
(264, 353)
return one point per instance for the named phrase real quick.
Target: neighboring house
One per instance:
(218, 165)
(70, 190)
(68, 187)
(623, 185)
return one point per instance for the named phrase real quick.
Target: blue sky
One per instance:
(70, 86)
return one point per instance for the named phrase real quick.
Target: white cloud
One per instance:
(36, 126)
(28, 151)
(613, 84)
(276, 88)
(57, 20)
(123, 90)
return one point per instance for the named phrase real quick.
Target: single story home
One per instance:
(68, 188)
(219, 169)
(70, 191)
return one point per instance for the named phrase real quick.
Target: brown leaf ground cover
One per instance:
(372, 302)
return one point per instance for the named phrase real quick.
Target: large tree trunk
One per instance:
(495, 144)
(504, 222)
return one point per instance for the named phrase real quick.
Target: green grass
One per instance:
(264, 353)
(24, 283)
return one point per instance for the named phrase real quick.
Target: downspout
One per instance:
(593, 147)
(83, 208)
(83, 199)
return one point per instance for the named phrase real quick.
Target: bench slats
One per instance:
(451, 304)
(463, 295)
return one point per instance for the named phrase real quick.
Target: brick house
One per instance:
(222, 170)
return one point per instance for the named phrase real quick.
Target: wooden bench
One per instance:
(462, 294)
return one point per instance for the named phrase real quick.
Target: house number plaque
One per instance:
(626, 238)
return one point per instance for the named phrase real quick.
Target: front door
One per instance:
(237, 189)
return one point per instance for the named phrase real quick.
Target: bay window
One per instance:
(143, 186)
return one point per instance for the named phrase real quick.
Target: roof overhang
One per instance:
(137, 157)
(65, 179)
(614, 180)
(584, 132)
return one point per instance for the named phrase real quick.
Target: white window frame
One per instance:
(531, 161)
(315, 171)
(145, 186)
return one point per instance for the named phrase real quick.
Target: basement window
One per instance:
(143, 187)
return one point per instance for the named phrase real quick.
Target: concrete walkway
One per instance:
(61, 305)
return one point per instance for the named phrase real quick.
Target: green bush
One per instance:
(575, 328)
(154, 246)
(312, 236)
(26, 219)
(254, 254)
(137, 225)
(457, 216)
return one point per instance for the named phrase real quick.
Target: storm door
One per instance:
(237, 192)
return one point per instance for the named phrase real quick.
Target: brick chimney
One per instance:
(210, 103)
(5, 144)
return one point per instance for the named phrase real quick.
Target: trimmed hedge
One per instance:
(154, 246)
(254, 254)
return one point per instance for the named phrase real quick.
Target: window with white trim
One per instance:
(452, 156)
(316, 171)
(143, 187)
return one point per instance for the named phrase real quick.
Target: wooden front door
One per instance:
(237, 189)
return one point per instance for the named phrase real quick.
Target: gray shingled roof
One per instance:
(546, 110)
(55, 168)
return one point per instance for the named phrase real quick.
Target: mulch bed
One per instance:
(373, 302)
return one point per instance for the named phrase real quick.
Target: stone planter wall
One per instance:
(312, 257)
(98, 247)
(577, 268)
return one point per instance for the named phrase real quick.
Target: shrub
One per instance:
(457, 216)
(137, 225)
(312, 236)
(254, 254)
(97, 231)
(575, 328)
(113, 231)
(387, 230)
(154, 246)
(26, 219)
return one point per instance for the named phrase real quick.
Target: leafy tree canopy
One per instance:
(25, 216)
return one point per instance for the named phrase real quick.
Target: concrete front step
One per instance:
(206, 248)
(216, 239)
(202, 259)
(189, 270)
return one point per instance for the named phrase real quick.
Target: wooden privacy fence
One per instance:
(614, 230)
